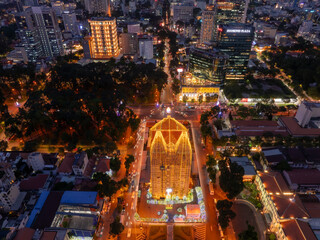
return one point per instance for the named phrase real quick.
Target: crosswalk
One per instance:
(199, 232)
(141, 236)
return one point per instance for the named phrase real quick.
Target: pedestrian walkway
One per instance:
(200, 232)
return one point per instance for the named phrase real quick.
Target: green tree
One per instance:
(116, 227)
(249, 234)
(231, 178)
(184, 98)
(200, 99)
(225, 213)
(128, 161)
(3, 145)
(115, 164)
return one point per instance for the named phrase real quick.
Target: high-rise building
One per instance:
(104, 38)
(98, 6)
(170, 159)
(207, 25)
(146, 47)
(70, 22)
(235, 40)
(39, 33)
(183, 11)
(208, 66)
(128, 43)
(230, 11)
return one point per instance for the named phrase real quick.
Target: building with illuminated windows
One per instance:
(170, 159)
(104, 38)
(207, 66)
(207, 25)
(235, 40)
(230, 11)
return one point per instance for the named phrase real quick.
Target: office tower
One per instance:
(170, 159)
(207, 25)
(230, 11)
(104, 38)
(70, 22)
(128, 43)
(146, 47)
(235, 40)
(183, 12)
(207, 66)
(98, 6)
(39, 33)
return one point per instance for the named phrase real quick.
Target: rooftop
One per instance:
(246, 164)
(274, 182)
(289, 206)
(33, 183)
(46, 235)
(304, 176)
(297, 230)
(67, 162)
(25, 234)
(75, 197)
(295, 129)
(46, 213)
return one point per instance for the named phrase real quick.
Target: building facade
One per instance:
(207, 25)
(35, 160)
(39, 33)
(209, 65)
(230, 11)
(170, 159)
(235, 40)
(104, 38)
(146, 48)
(98, 6)
(128, 43)
(8, 197)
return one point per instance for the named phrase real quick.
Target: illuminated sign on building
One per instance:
(238, 31)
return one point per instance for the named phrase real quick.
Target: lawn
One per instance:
(251, 194)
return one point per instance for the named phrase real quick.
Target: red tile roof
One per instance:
(67, 162)
(298, 230)
(289, 206)
(34, 183)
(48, 235)
(303, 176)
(295, 130)
(274, 182)
(253, 123)
(25, 234)
(103, 165)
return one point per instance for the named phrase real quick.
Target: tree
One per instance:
(115, 164)
(116, 227)
(184, 98)
(231, 178)
(3, 145)
(200, 99)
(127, 163)
(225, 213)
(283, 166)
(110, 147)
(249, 234)
(211, 168)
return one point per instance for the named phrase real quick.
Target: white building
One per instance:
(35, 160)
(80, 163)
(134, 28)
(17, 55)
(307, 111)
(9, 197)
(146, 48)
